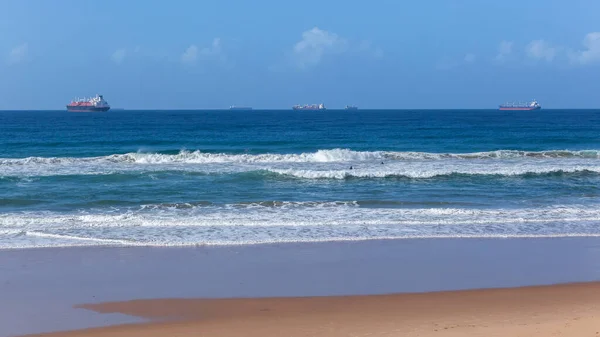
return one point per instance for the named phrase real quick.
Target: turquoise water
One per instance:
(236, 177)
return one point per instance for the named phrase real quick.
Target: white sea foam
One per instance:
(171, 225)
(332, 164)
(198, 157)
(424, 170)
(320, 156)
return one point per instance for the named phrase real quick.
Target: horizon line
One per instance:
(285, 109)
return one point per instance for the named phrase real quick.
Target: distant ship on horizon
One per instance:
(309, 107)
(351, 107)
(521, 106)
(234, 107)
(94, 104)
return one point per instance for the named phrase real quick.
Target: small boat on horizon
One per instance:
(234, 107)
(351, 107)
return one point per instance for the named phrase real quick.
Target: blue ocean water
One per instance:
(238, 177)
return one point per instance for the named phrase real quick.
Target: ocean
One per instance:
(185, 178)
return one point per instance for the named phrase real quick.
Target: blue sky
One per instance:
(273, 54)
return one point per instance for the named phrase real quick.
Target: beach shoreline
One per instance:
(42, 289)
(560, 310)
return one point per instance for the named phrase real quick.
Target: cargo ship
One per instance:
(526, 106)
(94, 104)
(309, 107)
(233, 107)
(351, 107)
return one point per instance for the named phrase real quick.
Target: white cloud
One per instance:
(591, 53)
(213, 52)
(190, 55)
(316, 43)
(119, 55)
(504, 50)
(540, 49)
(469, 58)
(18, 54)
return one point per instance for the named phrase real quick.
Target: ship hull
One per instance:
(310, 109)
(86, 109)
(519, 108)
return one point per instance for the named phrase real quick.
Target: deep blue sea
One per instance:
(169, 178)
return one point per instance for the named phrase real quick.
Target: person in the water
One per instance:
(351, 167)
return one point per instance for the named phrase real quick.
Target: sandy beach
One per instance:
(529, 287)
(559, 310)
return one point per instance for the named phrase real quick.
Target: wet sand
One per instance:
(560, 310)
(40, 289)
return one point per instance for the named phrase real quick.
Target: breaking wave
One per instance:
(436, 173)
(266, 222)
(323, 164)
(320, 156)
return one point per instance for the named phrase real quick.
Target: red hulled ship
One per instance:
(94, 104)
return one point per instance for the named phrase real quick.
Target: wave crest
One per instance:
(322, 164)
(320, 156)
(426, 174)
(318, 221)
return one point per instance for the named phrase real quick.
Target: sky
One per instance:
(211, 54)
